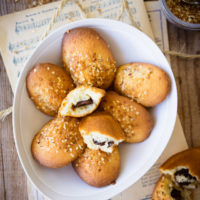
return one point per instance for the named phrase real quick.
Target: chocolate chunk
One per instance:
(98, 143)
(176, 194)
(83, 103)
(184, 172)
(110, 143)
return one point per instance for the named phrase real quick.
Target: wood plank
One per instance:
(187, 73)
(13, 180)
(2, 182)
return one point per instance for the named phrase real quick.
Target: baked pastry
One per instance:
(98, 168)
(100, 131)
(88, 58)
(135, 121)
(58, 143)
(165, 189)
(145, 83)
(184, 168)
(81, 101)
(47, 85)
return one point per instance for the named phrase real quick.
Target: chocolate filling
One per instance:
(176, 194)
(83, 103)
(185, 173)
(110, 143)
(98, 143)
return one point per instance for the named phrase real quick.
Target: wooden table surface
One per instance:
(186, 72)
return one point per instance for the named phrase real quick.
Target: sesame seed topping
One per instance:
(53, 72)
(72, 155)
(35, 70)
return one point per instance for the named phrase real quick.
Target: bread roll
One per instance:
(88, 58)
(165, 189)
(81, 101)
(98, 168)
(145, 83)
(135, 121)
(47, 85)
(100, 131)
(184, 168)
(58, 143)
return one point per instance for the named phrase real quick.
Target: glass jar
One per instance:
(175, 20)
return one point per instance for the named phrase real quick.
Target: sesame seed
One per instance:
(64, 126)
(137, 113)
(53, 72)
(35, 70)
(70, 149)
(48, 68)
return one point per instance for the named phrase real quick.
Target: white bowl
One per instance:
(128, 44)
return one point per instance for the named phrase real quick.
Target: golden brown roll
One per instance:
(184, 168)
(165, 189)
(100, 131)
(98, 168)
(47, 85)
(88, 58)
(58, 143)
(145, 83)
(134, 119)
(81, 101)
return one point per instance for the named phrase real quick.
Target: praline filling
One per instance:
(98, 143)
(184, 178)
(176, 194)
(83, 103)
(103, 143)
(110, 143)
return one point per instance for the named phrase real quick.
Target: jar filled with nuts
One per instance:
(182, 14)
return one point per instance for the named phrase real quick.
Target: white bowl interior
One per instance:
(128, 45)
